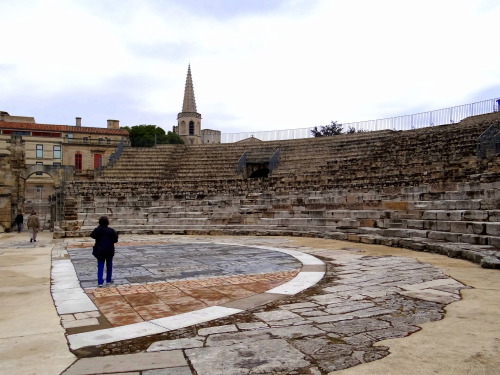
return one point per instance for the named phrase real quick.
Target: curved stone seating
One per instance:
(423, 189)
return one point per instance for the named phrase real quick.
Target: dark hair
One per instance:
(103, 220)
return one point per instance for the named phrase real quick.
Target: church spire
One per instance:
(189, 104)
(189, 120)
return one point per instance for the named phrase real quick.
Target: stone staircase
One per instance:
(422, 189)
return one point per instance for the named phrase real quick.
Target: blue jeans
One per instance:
(19, 227)
(109, 270)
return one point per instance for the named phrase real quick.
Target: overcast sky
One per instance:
(256, 64)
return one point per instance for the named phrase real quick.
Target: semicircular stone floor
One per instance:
(241, 305)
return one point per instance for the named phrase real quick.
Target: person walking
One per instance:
(104, 249)
(19, 221)
(33, 224)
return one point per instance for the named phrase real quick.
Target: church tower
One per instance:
(189, 120)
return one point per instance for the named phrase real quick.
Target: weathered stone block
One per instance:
(430, 215)
(367, 222)
(403, 206)
(475, 215)
(444, 236)
(493, 229)
(415, 224)
(405, 233)
(449, 215)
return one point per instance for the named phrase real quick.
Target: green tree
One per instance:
(173, 138)
(150, 135)
(327, 130)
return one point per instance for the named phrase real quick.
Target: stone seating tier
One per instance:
(423, 189)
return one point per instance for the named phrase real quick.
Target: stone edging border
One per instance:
(70, 298)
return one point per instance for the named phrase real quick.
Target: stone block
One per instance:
(444, 236)
(475, 239)
(348, 223)
(494, 241)
(490, 262)
(338, 214)
(405, 233)
(430, 215)
(353, 237)
(402, 206)
(449, 215)
(443, 226)
(494, 215)
(493, 229)
(475, 215)
(367, 222)
(415, 224)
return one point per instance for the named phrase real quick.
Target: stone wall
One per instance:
(5, 193)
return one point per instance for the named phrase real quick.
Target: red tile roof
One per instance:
(61, 128)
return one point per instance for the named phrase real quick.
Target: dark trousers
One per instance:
(100, 270)
(19, 227)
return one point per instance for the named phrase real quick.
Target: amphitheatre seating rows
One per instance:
(424, 189)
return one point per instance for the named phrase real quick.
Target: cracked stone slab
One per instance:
(187, 343)
(432, 295)
(218, 329)
(262, 357)
(273, 316)
(127, 363)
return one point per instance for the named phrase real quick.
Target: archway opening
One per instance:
(260, 173)
(39, 188)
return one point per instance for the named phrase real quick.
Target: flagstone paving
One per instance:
(240, 319)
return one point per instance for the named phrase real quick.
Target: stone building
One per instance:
(33, 156)
(189, 120)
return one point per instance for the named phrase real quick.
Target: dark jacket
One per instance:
(105, 239)
(19, 219)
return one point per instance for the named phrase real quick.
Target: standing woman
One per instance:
(19, 221)
(104, 249)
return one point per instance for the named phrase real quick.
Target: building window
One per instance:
(191, 128)
(56, 164)
(57, 152)
(39, 151)
(78, 162)
(39, 163)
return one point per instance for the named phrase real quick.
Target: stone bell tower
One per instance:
(189, 120)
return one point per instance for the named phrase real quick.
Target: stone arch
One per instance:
(59, 174)
(48, 204)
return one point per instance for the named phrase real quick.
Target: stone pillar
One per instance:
(17, 165)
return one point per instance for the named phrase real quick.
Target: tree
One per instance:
(327, 130)
(173, 138)
(150, 135)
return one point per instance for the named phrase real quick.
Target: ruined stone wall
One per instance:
(5, 192)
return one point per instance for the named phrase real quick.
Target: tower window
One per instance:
(191, 128)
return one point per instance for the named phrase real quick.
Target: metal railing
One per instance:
(113, 158)
(274, 160)
(242, 163)
(488, 141)
(416, 121)
(92, 141)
